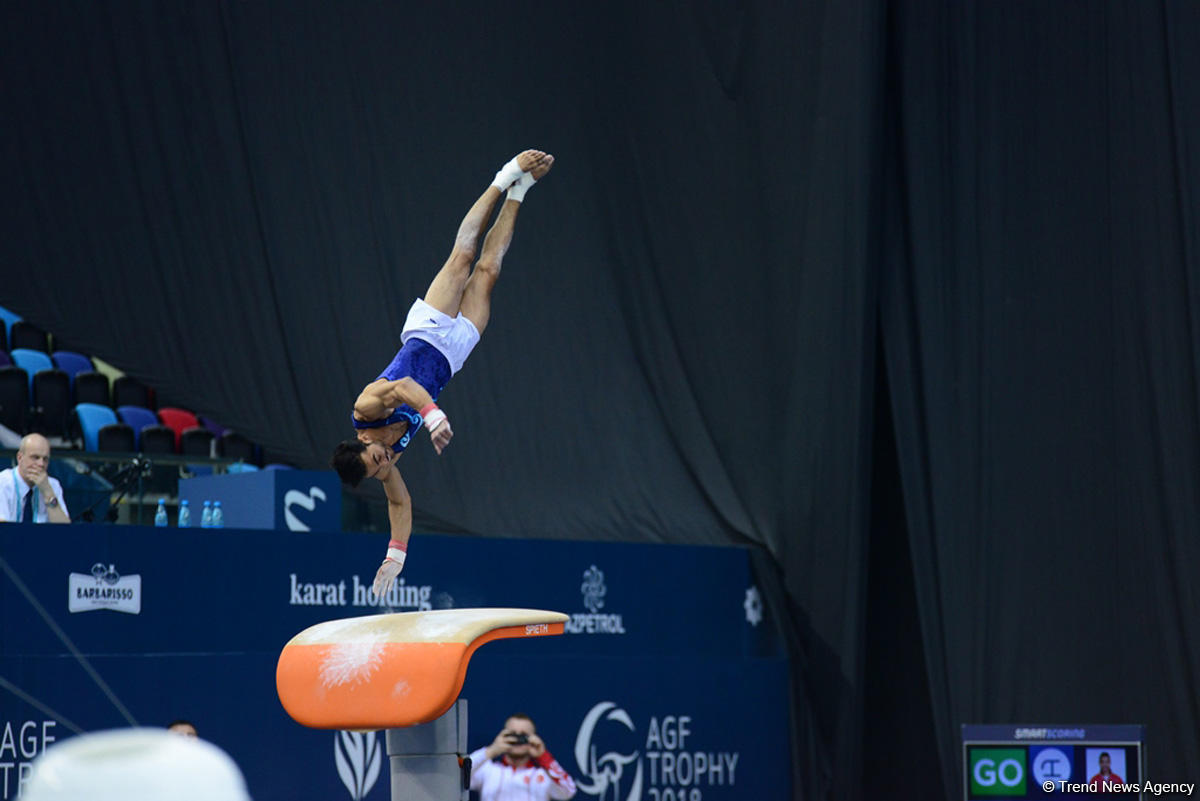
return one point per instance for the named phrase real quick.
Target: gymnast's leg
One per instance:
(446, 292)
(476, 304)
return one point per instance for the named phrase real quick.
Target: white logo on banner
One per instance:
(298, 498)
(359, 758)
(605, 771)
(666, 770)
(753, 606)
(593, 589)
(594, 622)
(105, 588)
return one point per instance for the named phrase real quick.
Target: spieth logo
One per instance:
(593, 589)
(297, 498)
(359, 758)
(593, 622)
(602, 773)
(105, 588)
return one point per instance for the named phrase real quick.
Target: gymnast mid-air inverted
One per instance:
(441, 330)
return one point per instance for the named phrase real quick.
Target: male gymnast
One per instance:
(441, 330)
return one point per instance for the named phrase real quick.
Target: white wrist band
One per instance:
(433, 418)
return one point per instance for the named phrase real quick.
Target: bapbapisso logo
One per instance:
(359, 758)
(297, 498)
(104, 588)
(998, 771)
(616, 763)
(593, 621)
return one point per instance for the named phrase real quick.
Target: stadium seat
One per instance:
(5, 359)
(116, 438)
(138, 418)
(51, 403)
(196, 441)
(178, 419)
(128, 391)
(241, 467)
(71, 363)
(32, 362)
(232, 445)
(92, 387)
(278, 466)
(156, 439)
(14, 399)
(7, 318)
(213, 426)
(90, 418)
(25, 334)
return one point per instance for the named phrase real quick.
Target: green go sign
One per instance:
(998, 771)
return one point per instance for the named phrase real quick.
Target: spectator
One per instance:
(19, 502)
(525, 769)
(182, 727)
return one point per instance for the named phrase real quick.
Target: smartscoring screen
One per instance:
(1052, 762)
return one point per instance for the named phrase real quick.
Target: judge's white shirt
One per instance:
(12, 498)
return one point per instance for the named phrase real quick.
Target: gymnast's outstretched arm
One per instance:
(400, 520)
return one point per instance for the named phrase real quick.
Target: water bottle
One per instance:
(185, 515)
(160, 517)
(218, 517)
(206, 515)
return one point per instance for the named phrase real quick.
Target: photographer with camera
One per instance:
(517, 766)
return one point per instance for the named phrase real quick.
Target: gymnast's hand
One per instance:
(386, 575)
(440, 436)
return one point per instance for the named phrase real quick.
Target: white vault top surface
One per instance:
(438, 625)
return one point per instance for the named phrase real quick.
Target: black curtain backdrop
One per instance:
(901, 294)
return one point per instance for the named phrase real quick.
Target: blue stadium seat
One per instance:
(71, 363)
(31, 361)
(91, 418)
(241, 467)
(137, 417)
(5, 359)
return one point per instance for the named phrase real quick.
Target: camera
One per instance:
(518, 739)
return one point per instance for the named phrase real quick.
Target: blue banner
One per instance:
(668, 685)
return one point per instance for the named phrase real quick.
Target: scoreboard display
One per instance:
(1052, 762)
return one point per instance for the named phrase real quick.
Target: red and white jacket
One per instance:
(541, 779)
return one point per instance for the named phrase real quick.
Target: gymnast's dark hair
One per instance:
(347, 463)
